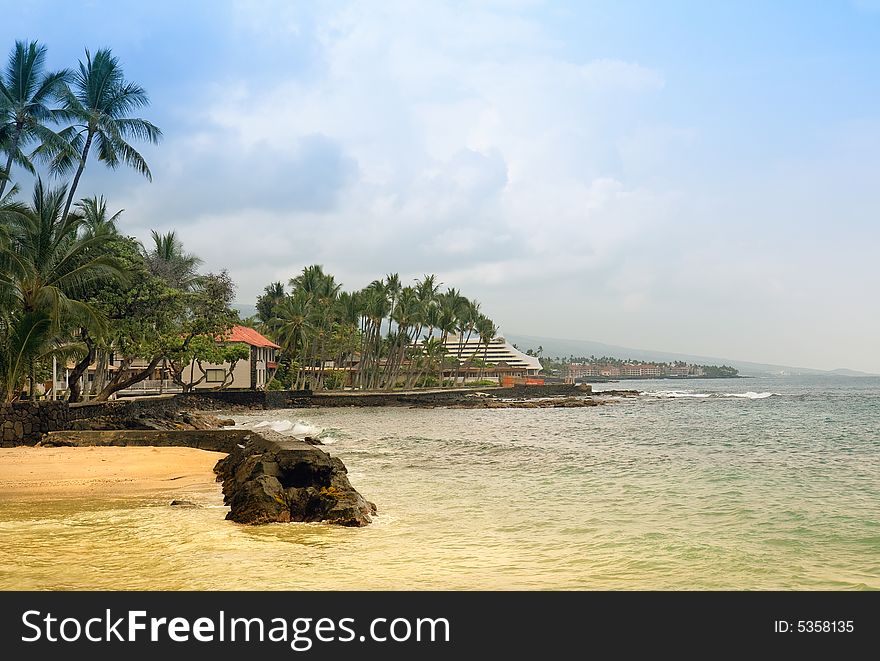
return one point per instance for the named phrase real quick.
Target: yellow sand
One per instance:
(89, 472)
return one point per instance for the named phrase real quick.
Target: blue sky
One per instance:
(699, 177)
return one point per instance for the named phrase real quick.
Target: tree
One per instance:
(202, 349)
(487, 330)
(268, 302)
(26, 95)
(97, 223)
(99, 102)
(169, 261)
(48, 265)
(153, 322)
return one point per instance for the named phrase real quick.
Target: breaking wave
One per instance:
(676, 394)
(300, 428)
(752, 395)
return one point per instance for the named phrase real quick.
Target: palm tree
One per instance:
(25, 96)
(392, 287)
(273, 295)
(96, 220)
(99, 102)
(487, 330)
(169, 261)
(48, 264)
(291, 327)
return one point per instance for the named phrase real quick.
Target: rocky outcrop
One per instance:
(273, 478)
(556, 403)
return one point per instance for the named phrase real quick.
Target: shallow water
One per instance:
(758, 484)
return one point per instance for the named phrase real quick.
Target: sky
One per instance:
(694, 176)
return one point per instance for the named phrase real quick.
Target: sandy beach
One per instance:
(39, 473)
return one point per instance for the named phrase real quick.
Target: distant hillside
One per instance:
(560, 347)
(845, 372)
(245, 310)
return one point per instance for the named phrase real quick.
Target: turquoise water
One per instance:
(689, 487)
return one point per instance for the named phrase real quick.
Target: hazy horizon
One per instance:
(685, 177)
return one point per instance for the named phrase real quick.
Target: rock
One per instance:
(312, 441)
(185, 504)
(260, 500)
(274, 478)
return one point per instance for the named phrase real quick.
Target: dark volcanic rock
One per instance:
(185, 504)
(161, 419)
(273, 478)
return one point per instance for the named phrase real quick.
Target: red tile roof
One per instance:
(249, 336)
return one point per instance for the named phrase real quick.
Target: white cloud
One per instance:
(465, 140)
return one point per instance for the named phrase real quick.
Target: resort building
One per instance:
(505, 358)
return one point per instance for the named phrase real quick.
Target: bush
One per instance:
(482, 383)
(334, 379)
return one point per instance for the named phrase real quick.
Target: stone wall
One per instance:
(215, 440)
(440, 397)
(122, 411)
(24, 423)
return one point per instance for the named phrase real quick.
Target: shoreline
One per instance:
(77, 473)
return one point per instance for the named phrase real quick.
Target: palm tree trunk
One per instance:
(79, 171)
(32, 376)
(422, 372)
(74, 389)
(13, 148)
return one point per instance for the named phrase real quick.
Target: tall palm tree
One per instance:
(487, 330)
(99, 102)
(26, 94)
(267, 302)
(47, 267)
(169, 261)
(392, 287)
(291, 327)
(96, 222)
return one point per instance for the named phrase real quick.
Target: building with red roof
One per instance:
(254, 372)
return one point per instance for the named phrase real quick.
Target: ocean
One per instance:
(742, 484)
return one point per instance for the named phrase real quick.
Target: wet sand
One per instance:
(28, 473)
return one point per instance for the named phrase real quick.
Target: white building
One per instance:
(499, 351)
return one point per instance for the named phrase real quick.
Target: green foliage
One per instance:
(61, 265)
(481, 383)
(49, 265)
(385, 336)
(334, 379)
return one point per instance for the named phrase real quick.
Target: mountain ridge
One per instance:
(566, 347)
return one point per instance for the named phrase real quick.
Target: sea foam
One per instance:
(676, 394)
(300, 428)
(752, 395)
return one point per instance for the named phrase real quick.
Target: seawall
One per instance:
(26, 423)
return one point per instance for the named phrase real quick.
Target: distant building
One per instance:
(609, 370)
(576, 371)
(502, 357)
